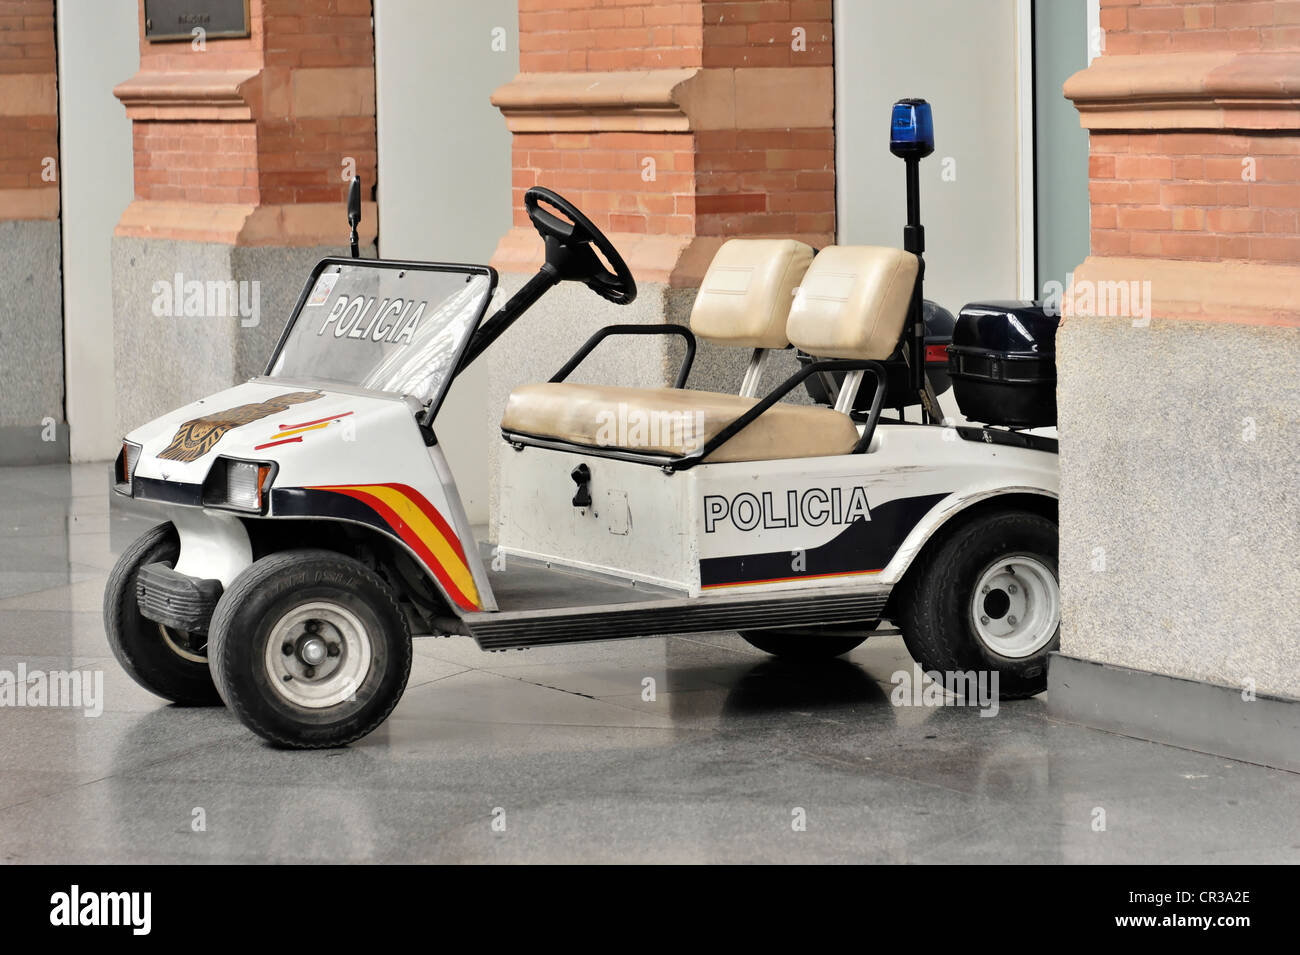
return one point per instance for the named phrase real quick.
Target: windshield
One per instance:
(387, 326)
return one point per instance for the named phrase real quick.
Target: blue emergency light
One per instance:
(911, 129)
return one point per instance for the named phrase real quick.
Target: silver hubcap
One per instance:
(1016, 606)
(318, 655)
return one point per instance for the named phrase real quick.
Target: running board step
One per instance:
(508, 630)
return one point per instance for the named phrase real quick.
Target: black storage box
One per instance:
(1002, 362)
(898, 389)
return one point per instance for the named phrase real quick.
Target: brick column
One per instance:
(242, 149)
(674, 126)
(31, 321)
(1180, 384)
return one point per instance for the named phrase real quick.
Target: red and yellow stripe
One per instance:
(313, 423)
(783, 580)
(424, 530)
(283, 436)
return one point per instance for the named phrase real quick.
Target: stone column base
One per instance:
(32, 429)
(1180, 511)
(165, 357)
(1189, 714)
(34, 444)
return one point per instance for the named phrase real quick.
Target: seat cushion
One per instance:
(674, 421)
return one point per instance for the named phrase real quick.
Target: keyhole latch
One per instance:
(582, 477)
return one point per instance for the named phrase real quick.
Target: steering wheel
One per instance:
(569, 247)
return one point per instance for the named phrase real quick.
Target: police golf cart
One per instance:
(313, 525)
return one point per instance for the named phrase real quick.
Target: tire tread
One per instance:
(186, 692)
(219, 633)
(926, 633)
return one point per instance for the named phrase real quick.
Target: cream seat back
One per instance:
(853, 302)
(745, 297)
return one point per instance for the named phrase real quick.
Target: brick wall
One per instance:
(267, 122)
(196, 161)
(590, 35)
(586, 35)
(741, 34)
(1196, 195)
(1168, 26)
(29, 133)
(25, 142)
(1195, 153)
(317, 33)
(26, 36)
(758, 166)
(766, 182)
(714, 182)
(300, 157)
(300, 160)
(603, 174)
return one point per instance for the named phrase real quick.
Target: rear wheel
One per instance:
(310, 649)
(171, 663)
(802, 645)
(988, 598)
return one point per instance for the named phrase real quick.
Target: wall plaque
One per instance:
(178, 19)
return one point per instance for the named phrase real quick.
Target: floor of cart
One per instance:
(520, 583)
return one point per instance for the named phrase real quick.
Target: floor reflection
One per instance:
(581, 761)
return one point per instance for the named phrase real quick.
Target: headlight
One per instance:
(124, 466)
(240, 485)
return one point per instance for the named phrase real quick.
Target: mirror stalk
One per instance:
(354, 214)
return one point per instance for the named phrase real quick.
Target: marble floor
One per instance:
(556, 754)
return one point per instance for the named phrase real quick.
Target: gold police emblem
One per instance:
(196, 437)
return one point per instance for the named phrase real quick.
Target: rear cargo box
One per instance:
(1002, 362)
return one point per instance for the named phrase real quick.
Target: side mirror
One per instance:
(354, 213)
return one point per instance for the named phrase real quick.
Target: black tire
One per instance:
(934, 607)
(801, 645)
(244, 623)
(139, 643)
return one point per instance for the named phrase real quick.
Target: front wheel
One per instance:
(310, 649)
(171, 663)
(988, 598)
